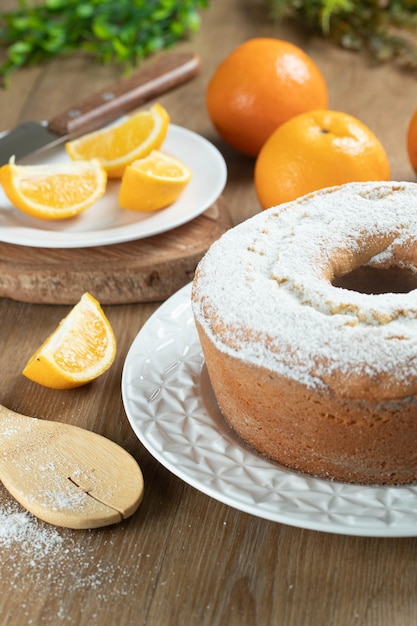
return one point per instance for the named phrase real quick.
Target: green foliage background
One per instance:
(126, 31)
(117, 31)
(386, 29)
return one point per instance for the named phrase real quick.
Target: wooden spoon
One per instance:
(66, 475)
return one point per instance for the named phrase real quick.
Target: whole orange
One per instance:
(412, 141)
(259, 86)
(314, 150)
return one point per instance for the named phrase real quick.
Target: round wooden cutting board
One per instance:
(145, 270)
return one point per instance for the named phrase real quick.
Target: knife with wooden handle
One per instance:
(168, 72)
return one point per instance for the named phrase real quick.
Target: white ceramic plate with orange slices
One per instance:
(105, 223)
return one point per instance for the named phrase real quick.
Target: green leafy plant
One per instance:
(111, 31)
(386, 29)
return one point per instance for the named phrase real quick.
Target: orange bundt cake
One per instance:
(307, 316)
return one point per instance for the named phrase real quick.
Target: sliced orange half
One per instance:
(117, 146)
(56, 191)
(79, 350)
(153, 183)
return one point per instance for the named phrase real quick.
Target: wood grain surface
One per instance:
(184, 559)
(145, 270)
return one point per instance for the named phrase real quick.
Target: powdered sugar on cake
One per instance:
(263, 292)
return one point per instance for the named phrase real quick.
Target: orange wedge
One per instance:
(56, 191)
(118, 146)
(153, 183)
(80, 349)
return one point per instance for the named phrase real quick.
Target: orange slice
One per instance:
(152, 183)
(56, 191)
(80, 349)
(118, 146)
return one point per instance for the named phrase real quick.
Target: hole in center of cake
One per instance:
(373, 280)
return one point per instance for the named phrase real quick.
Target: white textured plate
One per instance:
(105, 223)
(170, 405)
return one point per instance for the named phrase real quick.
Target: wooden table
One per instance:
(184, 558)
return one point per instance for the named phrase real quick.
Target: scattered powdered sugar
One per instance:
(49, 467)
(262, 291)
(35, 540)
(58, 563)
(59, 500)
(34, 545)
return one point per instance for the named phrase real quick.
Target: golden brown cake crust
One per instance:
(283, 345)
(313, 432)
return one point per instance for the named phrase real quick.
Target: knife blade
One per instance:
(168, 72)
